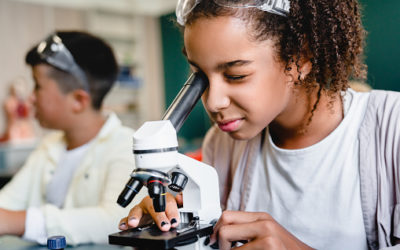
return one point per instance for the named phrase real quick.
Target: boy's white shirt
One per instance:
(90, 211)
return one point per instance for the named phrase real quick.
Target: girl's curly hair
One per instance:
(327, 32)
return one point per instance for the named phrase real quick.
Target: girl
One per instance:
(303, 161)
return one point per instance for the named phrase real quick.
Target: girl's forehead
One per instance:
(211, 43)
(221, 32)
(226, 24)
(216, 27)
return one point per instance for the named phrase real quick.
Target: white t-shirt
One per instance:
(58, 186)
(314, 192)
(56, 190)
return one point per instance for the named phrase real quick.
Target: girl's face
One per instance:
(248, 86)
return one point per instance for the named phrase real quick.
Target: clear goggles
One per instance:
(54, 52)
(279, 7)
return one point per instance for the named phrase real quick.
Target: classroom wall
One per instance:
(135, 39)
(21, 26)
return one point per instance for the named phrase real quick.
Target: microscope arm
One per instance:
(201, 193)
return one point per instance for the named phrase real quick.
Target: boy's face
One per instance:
(51, 105)
(248, 86)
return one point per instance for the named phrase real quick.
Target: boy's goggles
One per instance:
(279, 7)
(54, 52)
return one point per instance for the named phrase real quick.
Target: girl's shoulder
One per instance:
(383, 106)
(378, 97)
(381, 117)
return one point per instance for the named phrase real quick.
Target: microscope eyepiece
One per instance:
(131, 189)
(157, 193)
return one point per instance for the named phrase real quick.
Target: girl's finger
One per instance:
(237, 217)
(160, 218)
(134, 217)
(243, 232)
(179, 199)
(171, 210)
(123, 224)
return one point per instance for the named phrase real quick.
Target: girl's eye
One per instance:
(235, 77)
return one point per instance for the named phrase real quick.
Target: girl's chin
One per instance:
(237, 135)
(244, 134)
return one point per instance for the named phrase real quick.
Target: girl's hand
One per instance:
(257, 230)
(144, 211)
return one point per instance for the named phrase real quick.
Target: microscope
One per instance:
(161, 168)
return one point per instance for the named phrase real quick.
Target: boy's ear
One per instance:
(81, 100)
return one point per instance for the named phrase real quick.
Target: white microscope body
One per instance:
(161, 168)
(201, 193)
(155, 148)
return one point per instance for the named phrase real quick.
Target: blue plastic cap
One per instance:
(56, 242)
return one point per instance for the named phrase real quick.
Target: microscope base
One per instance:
(150, 237)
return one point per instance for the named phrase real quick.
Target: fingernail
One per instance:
(132, 219)
(207, 241)
(212, 241)
(215, 245)
(122, 225)
(173, 221)
(132, 222)
(164, 223)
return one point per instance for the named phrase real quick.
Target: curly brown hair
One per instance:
(329, 33)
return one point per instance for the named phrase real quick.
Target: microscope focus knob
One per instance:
(178, 181)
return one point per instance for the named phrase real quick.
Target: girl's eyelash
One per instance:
(235, 77)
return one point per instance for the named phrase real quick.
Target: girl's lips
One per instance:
(229, 126)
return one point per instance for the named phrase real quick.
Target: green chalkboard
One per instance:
(382, 21)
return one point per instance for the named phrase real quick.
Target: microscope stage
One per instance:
(150, 237)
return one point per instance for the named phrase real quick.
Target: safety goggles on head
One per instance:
(279, 7)
(54, 52)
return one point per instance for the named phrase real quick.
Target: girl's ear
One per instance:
(298, 71)
(80, 100)
(305, 69)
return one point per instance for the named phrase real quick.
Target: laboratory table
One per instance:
(16, 243)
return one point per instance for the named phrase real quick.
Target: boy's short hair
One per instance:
(93, 55)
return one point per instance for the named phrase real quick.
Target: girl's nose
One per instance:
(216, 97)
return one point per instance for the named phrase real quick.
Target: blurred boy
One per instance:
(70, 183)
